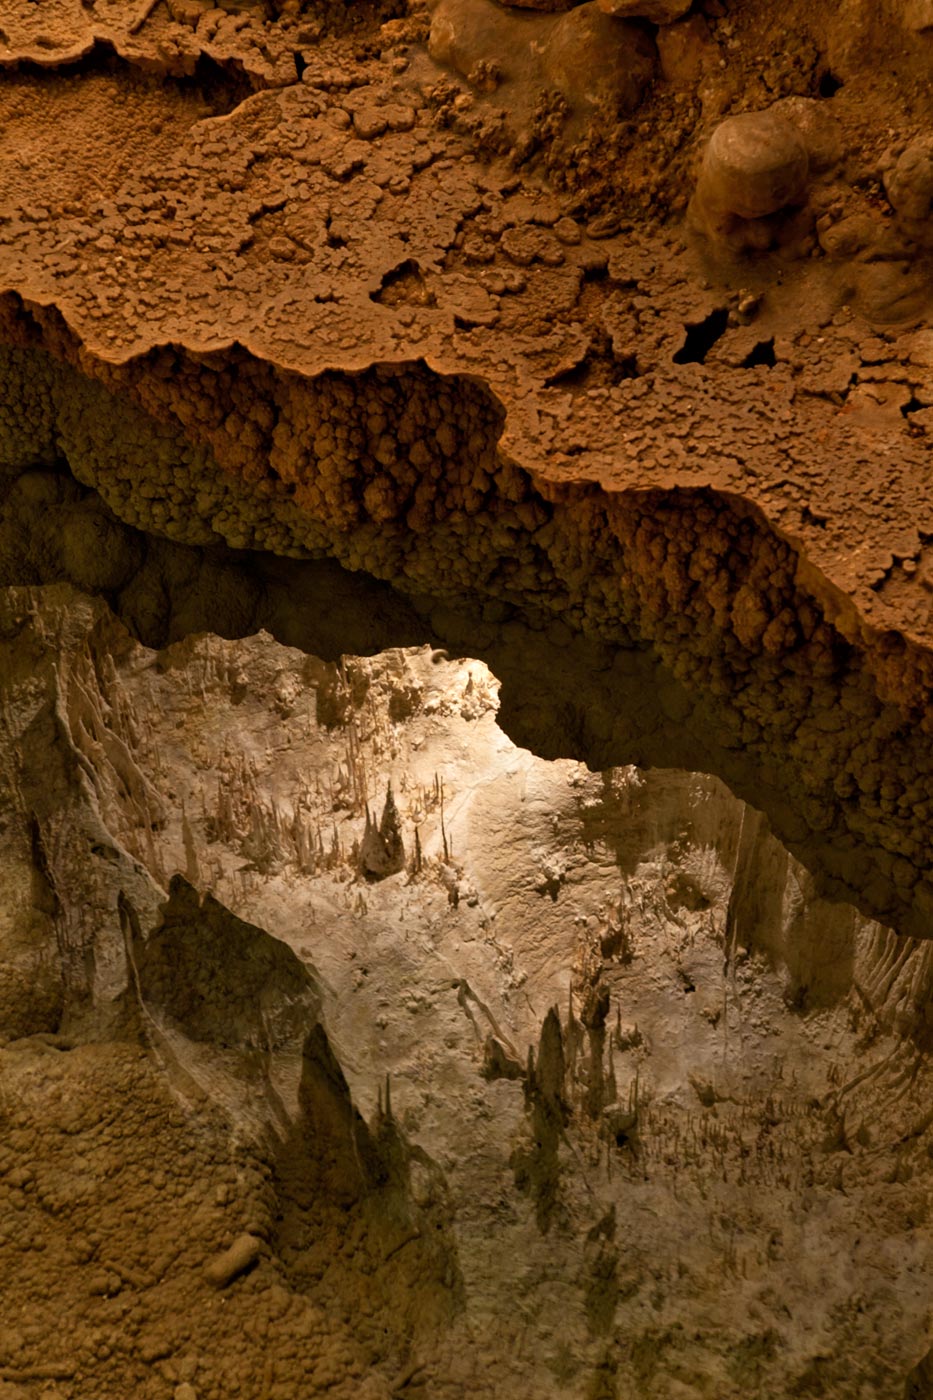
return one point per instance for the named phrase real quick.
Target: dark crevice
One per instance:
(600, 367)
(813, 518)
(271, 206)
(332, 237)
(404, 285)
(100, 56)
(913, 405)
(828, 84)
(761, 354)
(701, 337)
(221, 87)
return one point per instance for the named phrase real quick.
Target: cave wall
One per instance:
(345, 1046)
(761, 671)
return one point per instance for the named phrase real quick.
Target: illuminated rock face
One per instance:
(347, 1047)
(509, 1111)
(670, 626)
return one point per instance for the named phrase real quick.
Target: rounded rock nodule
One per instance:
(909, 184)
(755, 165)
(594, 59)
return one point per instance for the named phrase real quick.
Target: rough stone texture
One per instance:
(585, 1100)
(657, 11)
(370, 325)
(548, 6)
(755, 164)
(598, 65)
(908, 183)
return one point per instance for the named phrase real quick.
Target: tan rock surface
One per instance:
(568, 368)
(372, 324)
(728, 1109)
(657, 11)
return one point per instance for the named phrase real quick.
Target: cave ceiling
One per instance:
(632, 346)
(573, 363)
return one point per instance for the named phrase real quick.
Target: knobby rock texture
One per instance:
(590, 341)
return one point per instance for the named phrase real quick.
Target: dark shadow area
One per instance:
(222, 980)
(761, 354)
(701, 337)
(828, 84)
(222, 87)
(600, 367)
(346, 1216)
(404, 285)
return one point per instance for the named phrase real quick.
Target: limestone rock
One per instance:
(544, 6)
(755, 165)
(241, 1256)
(358, 359)
(909, 183)
(595, 60)
(382, 850)
(589, 57)
(219, 978)
(687, 50)
(818, 129)
(656, 11)
(468, 33)
(918, 15)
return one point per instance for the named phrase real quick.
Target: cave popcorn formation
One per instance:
(464, 606)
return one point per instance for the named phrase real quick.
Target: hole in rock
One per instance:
(404, 285)
(223, 86)
(701, 337)
(599, 367)
(761, 354)
(828, 84)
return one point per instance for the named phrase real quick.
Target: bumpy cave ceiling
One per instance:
(465, 673)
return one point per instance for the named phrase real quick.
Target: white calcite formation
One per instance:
(503, 1113)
